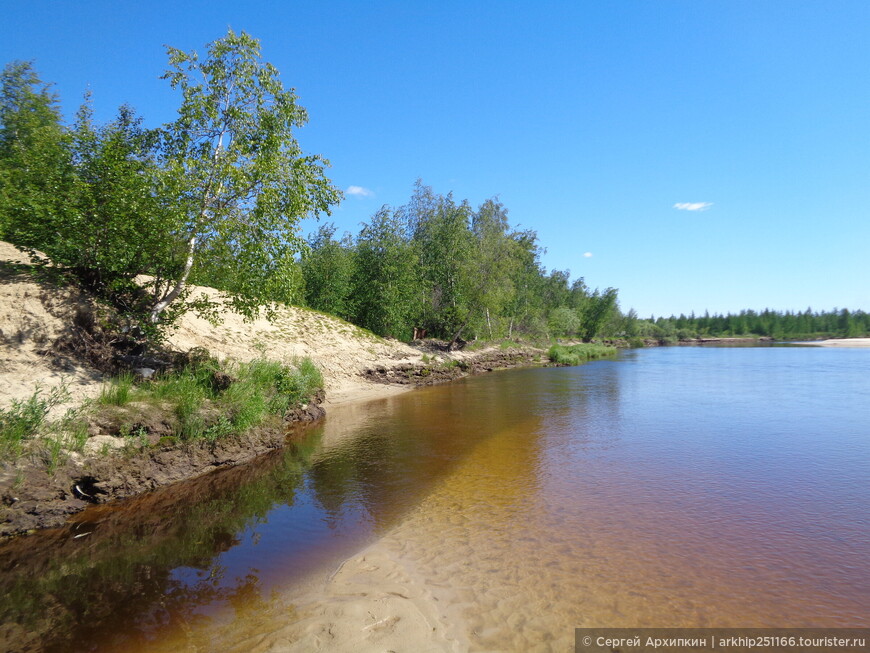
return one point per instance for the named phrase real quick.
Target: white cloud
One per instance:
(693, 206)
(359, 191)
(587, 254)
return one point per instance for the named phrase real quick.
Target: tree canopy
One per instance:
(236, 172)
(217, 193)
(455, 271)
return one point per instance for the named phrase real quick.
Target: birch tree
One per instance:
(238, 179)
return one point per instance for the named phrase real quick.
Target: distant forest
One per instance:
(779, 325)
(456, 271)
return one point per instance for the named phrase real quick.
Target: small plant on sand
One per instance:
(26, 419)
(61, 437)
(53, 453)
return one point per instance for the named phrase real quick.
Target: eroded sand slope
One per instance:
(33, 315)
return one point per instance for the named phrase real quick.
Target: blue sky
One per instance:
(697, 155)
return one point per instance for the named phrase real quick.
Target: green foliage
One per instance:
(564, 322)
(328, 269)
(441, 236)
(236, 172)
(115, 227)
(599, 307)
(35, 170)
(385, 278)
(495, 264)
(212, 399)
(457, 272)
(578, 354)
(780, 325)
(84, 196)
(218, 192)
(26, 419)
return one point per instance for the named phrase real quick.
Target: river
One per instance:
(696, 486)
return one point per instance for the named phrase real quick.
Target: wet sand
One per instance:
(370, 604)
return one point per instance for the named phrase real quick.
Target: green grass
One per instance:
(578, 354)
(117, 393)
(206, 400)
(210, 399)
(25, 426)
(26, 419)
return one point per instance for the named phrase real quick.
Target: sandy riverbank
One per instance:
(33, 315)
(840, 342)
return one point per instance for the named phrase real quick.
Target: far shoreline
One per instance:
(836, 342)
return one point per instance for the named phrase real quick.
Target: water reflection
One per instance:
(190, 556)
(114, 575)
(401, 447)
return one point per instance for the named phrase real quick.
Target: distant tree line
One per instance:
(780, 325)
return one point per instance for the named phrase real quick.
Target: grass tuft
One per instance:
(25, 419)
(117, 392)
(578, 354)
(213, 399)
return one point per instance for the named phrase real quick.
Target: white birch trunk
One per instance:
(173, 294)
(178, 288)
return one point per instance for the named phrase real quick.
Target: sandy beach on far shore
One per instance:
(840, 342)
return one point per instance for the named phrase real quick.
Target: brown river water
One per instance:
(696, 487)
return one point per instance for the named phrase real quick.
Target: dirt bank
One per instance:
(449, 369)
(33, 499)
